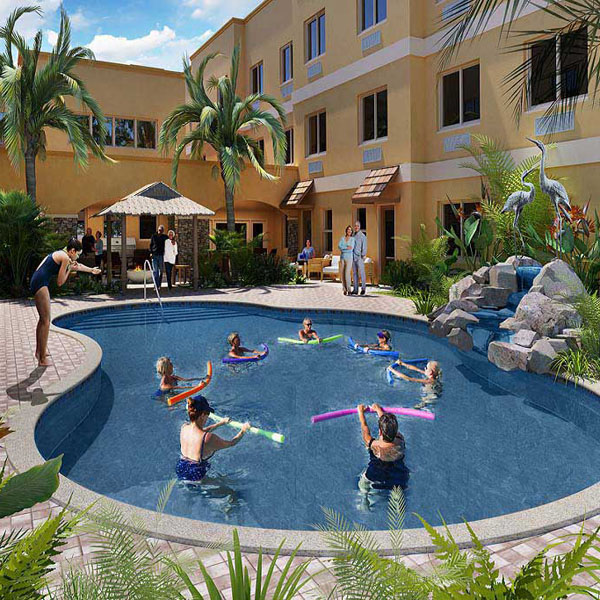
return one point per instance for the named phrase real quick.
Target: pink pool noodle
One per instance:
(407, 412)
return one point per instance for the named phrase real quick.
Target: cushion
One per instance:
(335, 261)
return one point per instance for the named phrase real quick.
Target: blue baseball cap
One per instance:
(201, 404)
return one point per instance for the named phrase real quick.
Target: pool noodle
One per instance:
(407, 412)
(297, 341)
(393, 353)
(228, 360)
(187, 393)
(275, 437)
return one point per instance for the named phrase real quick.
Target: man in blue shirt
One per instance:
(358, 259)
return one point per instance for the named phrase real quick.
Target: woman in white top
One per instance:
(170, 257)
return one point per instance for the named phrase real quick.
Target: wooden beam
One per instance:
(195, 251)
(108, 250)
(123, 253)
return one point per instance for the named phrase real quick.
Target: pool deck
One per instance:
(22, 386)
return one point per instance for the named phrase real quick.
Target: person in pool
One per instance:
(198, 444)
(237, 350)
(57, 264)
(384, 337)
(386, 468)
(169, 381)
(307, 333)
(432, 372)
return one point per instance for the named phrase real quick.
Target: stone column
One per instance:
(292, 236)
(108, 249)
(185, 237)
(64, 225)
(195, 251)
(123, 253)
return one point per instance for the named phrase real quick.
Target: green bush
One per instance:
(400, 273)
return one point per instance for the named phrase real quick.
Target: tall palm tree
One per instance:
(470, 18)
(33, 97)
(225, 125)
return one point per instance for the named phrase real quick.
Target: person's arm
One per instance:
(364, 247)
(377, 408)
(364, 428)
(65, 266)
(342, 244)
(303, 335)
(411, 367)
(75, 266)
(219, 443)
(219, 424)
(399, 374)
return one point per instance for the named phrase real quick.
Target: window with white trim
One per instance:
(374, 116)
(289, 150)
(287, 63)
(559, 67)
(327, 231)
(372, 12)
(316, 135)
(256, 79)
(315, 36)
(460, 96)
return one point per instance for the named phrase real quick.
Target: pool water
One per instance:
(500, 442)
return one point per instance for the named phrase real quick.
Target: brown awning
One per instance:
(297, 194)
(374, 185)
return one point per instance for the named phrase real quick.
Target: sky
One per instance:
(155, 33)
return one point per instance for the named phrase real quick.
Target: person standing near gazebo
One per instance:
(157, 250)
(170, 257)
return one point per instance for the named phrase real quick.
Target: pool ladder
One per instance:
(148, 267)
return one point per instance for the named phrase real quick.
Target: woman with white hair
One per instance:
(170, 257)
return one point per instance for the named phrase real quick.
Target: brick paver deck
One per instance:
(21, 380)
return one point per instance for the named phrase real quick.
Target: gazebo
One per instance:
(153, 199)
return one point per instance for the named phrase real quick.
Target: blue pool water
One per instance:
(501, 442)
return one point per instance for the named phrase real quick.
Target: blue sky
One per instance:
(155, 33)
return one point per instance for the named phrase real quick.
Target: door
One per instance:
(258, 229)
(388, 241)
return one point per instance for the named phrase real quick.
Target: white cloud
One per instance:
(79, 20)
(160, 48)
(52, 37)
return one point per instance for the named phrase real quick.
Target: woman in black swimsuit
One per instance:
(57, 264)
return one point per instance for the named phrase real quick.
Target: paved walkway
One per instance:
(21, 380)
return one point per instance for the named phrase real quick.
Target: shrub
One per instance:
(576, 365)
(400, 272)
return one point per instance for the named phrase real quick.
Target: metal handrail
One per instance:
(147, 262)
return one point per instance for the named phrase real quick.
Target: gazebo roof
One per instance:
(156, 199)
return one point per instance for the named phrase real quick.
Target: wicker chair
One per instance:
(316, 265)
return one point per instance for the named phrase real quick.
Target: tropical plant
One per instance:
(470, 18)
(575, 365)
(34, 96)
(23, 229)
(426, 302)
(400, 273)
(224, 125)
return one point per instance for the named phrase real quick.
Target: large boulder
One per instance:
(460, 318)
(559, 281)
(461, 339)
(508, 357)
(525, 338)
(496, 297)
(504, 276)
(512, 324)
(463, 304)
(522, 261)
(438, 326)
(482, 275)
(546, 316)
(467, 286)
(543, 353)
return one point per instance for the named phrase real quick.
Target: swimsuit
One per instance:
(41, 278)
(384, 474)
(193, 470)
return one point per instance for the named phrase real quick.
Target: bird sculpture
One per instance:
(516, 202)
(557, 193)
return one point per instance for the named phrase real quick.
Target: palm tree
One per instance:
(33, 97)
(225, 125)
(469, 18)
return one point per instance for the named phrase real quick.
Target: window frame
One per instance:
(361, 117)
(319, 152)
(361, 15)
(462, 123)
(325, 231)
(321, 44)
(257, 66)
(282, 50)
(136, 120)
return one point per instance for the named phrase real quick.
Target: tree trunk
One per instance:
(195, 252)
(30, 173)
(229, 205)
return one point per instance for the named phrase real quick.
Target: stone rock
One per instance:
(558, 344)
(477, 300)
(504, 276)
(513, 324)
(496, 297)
(522, 261)
(537, 288)
(482, 275)
(508, 357)
(546, 316)
(460, 318)
(461, 339)
(541, 357)
(438, 326)
(467, 286)
(463, 304)
(571, 340)
(525, 338)
(560, 282)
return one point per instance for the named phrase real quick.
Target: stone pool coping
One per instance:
(23, 454)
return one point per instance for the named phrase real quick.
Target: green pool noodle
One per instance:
(275, 437)
(297, 341)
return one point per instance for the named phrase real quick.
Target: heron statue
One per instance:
(556, 191)
(516, 202)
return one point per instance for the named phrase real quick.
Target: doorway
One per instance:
(306, 227)
(388, 243)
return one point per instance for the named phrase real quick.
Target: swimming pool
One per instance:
(500, 442)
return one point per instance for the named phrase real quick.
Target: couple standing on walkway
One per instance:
(163, 249)
(353, 248)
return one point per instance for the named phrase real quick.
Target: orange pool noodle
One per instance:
(187, 393)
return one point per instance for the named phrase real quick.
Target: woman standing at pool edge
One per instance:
(346, 247)
(57, 263)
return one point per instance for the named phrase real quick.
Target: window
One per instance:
(327, 231)
(256, 78)
(559, 67)
(454, 219)
(374, 116)
(240, 228)
(115, 229)
(84, 120)
(361, 217)
(289, 149)
(124, 132)
(108, 141)
(460, 96)
(315, 37)
(389, 242)
(146, 134)
(258, 229)
(287, 63)
(373, 12)
(317, 133)
(147, 226)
